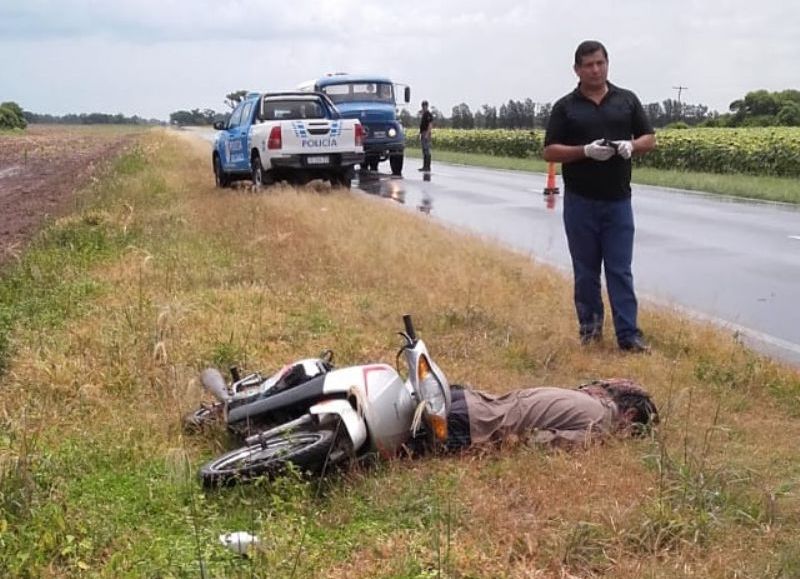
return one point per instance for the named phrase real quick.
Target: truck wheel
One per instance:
(343, 180)
(372, 163)
(396, 162)
(220, 177)
(256, 171)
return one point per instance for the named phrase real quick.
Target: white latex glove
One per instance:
(598, 151)
(624, 148)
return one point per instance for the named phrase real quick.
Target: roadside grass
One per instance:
(782, 189)
(165, 275)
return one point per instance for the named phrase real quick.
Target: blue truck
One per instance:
(373, 101)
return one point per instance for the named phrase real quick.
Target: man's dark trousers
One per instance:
(600, 233)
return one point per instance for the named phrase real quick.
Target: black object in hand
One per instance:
(612, 144)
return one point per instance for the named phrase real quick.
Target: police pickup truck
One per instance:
(296, 136)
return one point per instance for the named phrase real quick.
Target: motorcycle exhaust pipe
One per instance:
(213, 381)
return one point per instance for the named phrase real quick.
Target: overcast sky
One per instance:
(153, 57)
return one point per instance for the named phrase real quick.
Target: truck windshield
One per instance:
(276, 110)
(382, 92)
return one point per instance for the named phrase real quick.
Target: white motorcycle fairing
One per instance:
(381, 397)
(353, 423)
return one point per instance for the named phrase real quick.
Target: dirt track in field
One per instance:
(40, 170)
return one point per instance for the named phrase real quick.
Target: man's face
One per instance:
(593, 70)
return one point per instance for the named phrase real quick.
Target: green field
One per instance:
(109, 316)
(761, 151)
(758, 163)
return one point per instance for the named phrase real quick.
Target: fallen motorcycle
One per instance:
(314, 416)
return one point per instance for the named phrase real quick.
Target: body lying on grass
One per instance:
(553, 416)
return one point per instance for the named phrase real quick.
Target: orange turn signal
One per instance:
(438, 426)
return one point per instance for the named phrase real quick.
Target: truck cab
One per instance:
(373, 101)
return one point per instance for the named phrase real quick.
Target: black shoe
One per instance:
(592, 338)
(635, 345)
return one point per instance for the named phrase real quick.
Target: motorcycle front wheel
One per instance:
(306, 449)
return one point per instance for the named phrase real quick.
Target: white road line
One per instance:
(754, 335)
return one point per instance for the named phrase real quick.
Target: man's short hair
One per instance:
(424, 103)
(645, 412)
(588, 47)
(628, 395)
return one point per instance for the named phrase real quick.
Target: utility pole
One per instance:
(680, 89)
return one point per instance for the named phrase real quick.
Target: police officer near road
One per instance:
(593, 131)
(425, 131)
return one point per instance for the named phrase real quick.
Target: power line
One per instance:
(680, 89)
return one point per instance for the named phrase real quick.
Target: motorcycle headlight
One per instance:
(392, 132)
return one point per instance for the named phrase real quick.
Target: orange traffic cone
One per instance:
(550, 188)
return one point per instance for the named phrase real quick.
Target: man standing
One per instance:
(593, 131)
(425, 129)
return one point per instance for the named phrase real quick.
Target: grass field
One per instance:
(110, 315)
(783, 189)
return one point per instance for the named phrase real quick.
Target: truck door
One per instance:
(241, 160)
(230, 142)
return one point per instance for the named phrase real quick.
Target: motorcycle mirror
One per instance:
(212, 380)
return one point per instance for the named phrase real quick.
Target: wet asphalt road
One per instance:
(733, 262)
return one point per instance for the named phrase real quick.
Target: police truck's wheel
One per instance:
(372, 163)
(220, 177)
(343, 180)
(256, 171)
(396, 162)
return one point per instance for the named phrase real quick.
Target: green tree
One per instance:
(406, 119)
(789, 115)
(462, 117)
(194, 117)
(12, 116)
(234, 98)
(490, 116)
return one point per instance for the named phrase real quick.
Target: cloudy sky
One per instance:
(153, 57)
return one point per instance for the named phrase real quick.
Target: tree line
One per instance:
(757, 109)
(12, 116)
(88, 119)
(207, 116)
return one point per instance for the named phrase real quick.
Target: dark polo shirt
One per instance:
(576, 120)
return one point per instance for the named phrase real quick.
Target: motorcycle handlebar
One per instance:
(409, 327)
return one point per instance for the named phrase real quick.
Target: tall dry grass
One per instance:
(92, 402)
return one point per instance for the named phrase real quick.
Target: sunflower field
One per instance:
(771, 151)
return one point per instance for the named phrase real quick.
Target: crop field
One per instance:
(149, 274)
(764, 151)
(40, 169)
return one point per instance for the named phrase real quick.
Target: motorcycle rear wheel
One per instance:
(306, 449)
